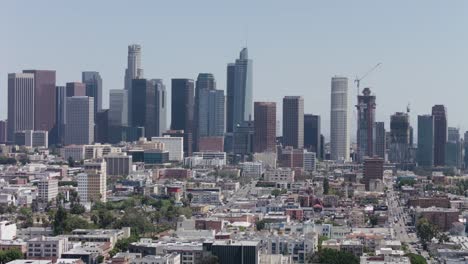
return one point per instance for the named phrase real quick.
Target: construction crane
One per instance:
(358, 80)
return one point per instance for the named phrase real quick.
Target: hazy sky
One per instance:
(297, 46)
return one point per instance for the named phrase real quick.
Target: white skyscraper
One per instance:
(133, 71)
(339, 129)
(79, 128)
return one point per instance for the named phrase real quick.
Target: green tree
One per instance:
(10, 255)
(71, 162)
(77, 209)
(326, 185)
(260, 225)
(373, 220)
(330, 256)
(416, 259)
(59, 221)
(426, 231)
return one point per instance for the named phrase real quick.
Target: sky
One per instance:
(296, 47)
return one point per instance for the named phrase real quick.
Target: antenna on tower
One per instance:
(246, 34)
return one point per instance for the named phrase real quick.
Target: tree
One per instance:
(416, 259)
(426, 231)
(77, 209)
(59, 221)
(373, 220)
(331, 256)
(260, 225)
(71, 162)
(10, 255)
(326, 186)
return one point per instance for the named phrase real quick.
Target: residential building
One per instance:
(92, 187)
(47, 189)
(50, 248)
(366, 121)
(373, 169)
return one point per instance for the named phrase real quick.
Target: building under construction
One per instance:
(366, 124)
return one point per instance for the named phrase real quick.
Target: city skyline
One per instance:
(305, 57)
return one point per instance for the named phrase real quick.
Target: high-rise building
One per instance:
(425, 152)
(47, 189)
(118, 108)
(453, 148)
(312, 130)
(182, 109)
(143, 106)
(44, 99)
(366, 121)
(92, 187)
(75, 89)
(439, 113)
(380, 140)
(239, 91)
(399, 138)
(93, 83)
(160, 106)
(265, 127)
(293, 121)
(134, 70)
(3, 131)
(60, 115)
(242, 139)
(20, 103)
(339, 130)
(209, 109)
(79, 128)
(102, 126)
(465, 147)
(373, 169)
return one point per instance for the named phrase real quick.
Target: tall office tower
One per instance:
(265, 127)
(366, 121)
(118, 108)
(79, 127)
(454, 148)
(339, 133)
(312, 130)
(425, 152)
(75, 89)
(322, 146)
(102, 126)
(182, 109)
(144, 106)
(399, 138)
(380, 140)
(93, 83)
(44, 98)
(293, 121)
(20, 103)
(134, 70)
(439, 113)
(3, 131)
(60, 107)
(205, 83)
(242, 139)
(161, 106)
(239, 91)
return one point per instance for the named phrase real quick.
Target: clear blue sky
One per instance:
(297, 46)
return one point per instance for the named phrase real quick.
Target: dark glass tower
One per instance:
(293, 121)
(366, 121)
(425, 152)
(182, 110)
(312, 130)
(265, 127)
(439, 113)
(143, 106)
(93, 82)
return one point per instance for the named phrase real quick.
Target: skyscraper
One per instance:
(366, 121)
(439, 113)
(160, 106)
(133, 71)
(44, 99)
(143, 106)
(79, 128)
(312, 130)
(60, 115)
(182, 109)
(102, 126)
(3, 131)
(205, 107)
(293, 121)
(239, 90)
(339, 133)
(265, 127)
(465, 147)
(93, 83)
(75, 89)
(21, 101)
(399, 138)
(425, 152)
(380, 140)
(453, 148)
(118, 108)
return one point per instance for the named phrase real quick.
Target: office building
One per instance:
(465, 147)
(366, 121)
(79, 128)
(92, 187)
(174, 145)
(380, 140)
(204, 84)
(293, 121)
(454, 148)
(47, 190)
(102, 126)
(3, 131)
(310, 161)
(399, 138)
(47, 248)
(134, 70)
(242, 140)
(312, 130)
(339, 130)
(118, 107)
(439, 113)
(160, 106)
(118, 165)
(144, 106)
(93, 84)
(234, 252)
(373, 170)
(239, 91)
(32, 139)
(58, 136)
(44, 98)
(182, 110)
(20, 103)
(425, 152)
(75, 89)
(265, 127)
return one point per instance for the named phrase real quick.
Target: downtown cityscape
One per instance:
(206, 169)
